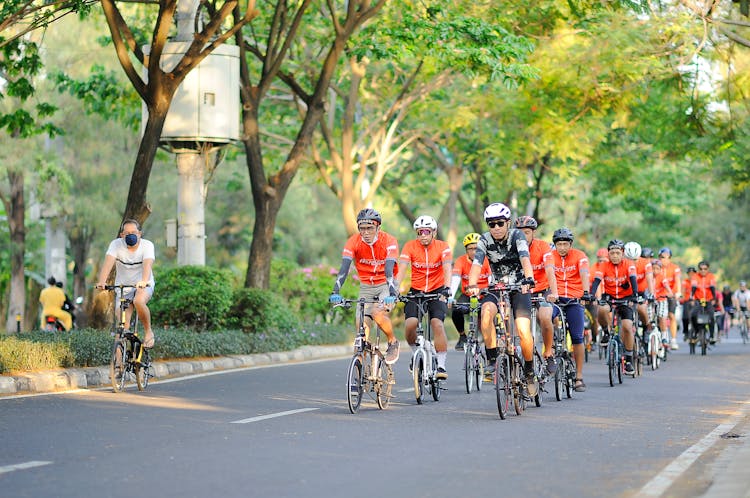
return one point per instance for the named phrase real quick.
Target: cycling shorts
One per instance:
(436, 308)
(574, 317)
(521, 303)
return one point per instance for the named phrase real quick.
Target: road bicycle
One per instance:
(424, 358)
(615, 354)
(129, 360)
(639, 341)
(565, 374)
(701, 334)
(368, 372)
(510, 384)
(744, 314)
(540, 367)
(655, 345)
(474, 360)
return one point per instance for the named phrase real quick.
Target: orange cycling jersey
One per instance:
(369, 260)
(541, 258)
(703, 284)
(686, 286)
(661, 285)
(642, 269)
(427, 264)
(568, 273)
(462, 266)
(672, 273)
(615, 277)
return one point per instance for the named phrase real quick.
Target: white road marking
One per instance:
(272, 415)
(669, 475)
(22, 466)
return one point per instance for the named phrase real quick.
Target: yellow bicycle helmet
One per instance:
(471, 238)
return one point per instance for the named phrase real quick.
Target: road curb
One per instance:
(91, 377)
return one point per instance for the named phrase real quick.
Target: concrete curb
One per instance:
(91, 377)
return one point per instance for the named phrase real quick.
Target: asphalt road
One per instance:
(286, 431)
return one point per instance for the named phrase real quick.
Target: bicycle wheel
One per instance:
(612, 361)
(354, 383)
(743, 330)
(418, 375)
(502, 385)
(653, 351)
(479, 362)
(469, 366)
(704, 339)
(435, 384)
(519, 403)
(559, 378)
(570, 375)
(116, 362)
(540, 375)
(384, 384)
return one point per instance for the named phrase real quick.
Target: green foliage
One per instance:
(304, 290)
(192, 296)
(261, 312)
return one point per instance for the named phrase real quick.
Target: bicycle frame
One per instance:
(128, 358)
(566, 369)
(424, 358)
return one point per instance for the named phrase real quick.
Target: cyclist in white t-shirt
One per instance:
(740, 299)
(133, 259)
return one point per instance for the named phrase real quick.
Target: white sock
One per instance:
(441, 356)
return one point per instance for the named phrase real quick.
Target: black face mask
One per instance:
(131, 239)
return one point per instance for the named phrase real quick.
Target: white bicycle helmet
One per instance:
(632, 250)
(496, 210)
(425, 222)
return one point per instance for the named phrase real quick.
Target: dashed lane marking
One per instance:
(22, 466)
(272, 415)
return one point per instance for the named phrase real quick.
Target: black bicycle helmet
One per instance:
(526, 222)
(562, 233)
(647, 252)
(368, 214)
(616, 244)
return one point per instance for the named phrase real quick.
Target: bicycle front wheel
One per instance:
(559, 378)
(502, 385)
(704, 339)
(435, 384)
(653, 352)
(385, 383)
(519, 403)
(613, 358)
(469, 367)
(354, 383)
(418, 376)
(116, 366)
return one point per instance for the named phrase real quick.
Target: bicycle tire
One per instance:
(469, 367)
(538, 366)
(435, 383)
(743, 330)
(612, 361)
(116, 368)
(570, 375)
(502, 385)
(479, 372)
(418, 376)
(127, 370)
(620, 363)
(354, 383)
(559, 379)
(704, 340)
(653, 346)
(384, 384)
(518, 398)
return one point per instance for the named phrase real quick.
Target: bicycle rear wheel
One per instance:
(354, 383)
(613, 358)
(502, 385)
(479, 361)
(704, 339)
(559, 378)
(519, 402)
(435, 384)
(570, 376)
(469, 366)
(541, 376)
(418, 376)
(116, 368)
(384, 385)
(653, 351)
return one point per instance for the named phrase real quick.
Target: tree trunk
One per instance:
(17, 298)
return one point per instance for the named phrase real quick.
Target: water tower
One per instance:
(203, 116)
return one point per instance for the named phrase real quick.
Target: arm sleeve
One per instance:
(343, 272)
(455, 283)
(634, 284)
(389, 265)
(595, 285)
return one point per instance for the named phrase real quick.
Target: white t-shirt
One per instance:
(129, 265)
(742, 296)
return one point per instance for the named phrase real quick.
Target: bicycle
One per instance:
(509, 379)
(639, 348)
(424, 359)
(129, 359)
(474, 360)
(540, 367)
(615, 355)
(701, 334)
(565, 374)
(744, 315)
(368, 372)
(656, 345)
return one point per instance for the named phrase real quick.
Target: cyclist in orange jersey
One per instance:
(546, 285)
(673, 274)
(645, 278)
(430, 262)
(619, 278)
(572, 275)
(374, 253)
(663, 292)
(508, 253)
(686, 303)
(593, 305)
(460, 277)
(703, 290)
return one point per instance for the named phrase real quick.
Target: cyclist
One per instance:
(508, 253)
(645, 278)
(572, 275)
(703, 291)
(546, 285)
(133, 259)
(663, 293)
(53, 301)
(460, 277)
(673, 274)
(740, 299)
(593, 305)
(647, 253)
(374, 253)
(685, 302)
(619, 278)
(430, 262)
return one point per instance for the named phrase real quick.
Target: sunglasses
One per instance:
(424, 231)
(493, 224)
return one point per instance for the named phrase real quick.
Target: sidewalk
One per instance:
(91, 377)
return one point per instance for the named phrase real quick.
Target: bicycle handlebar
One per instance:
(347, 303)
(413, 296)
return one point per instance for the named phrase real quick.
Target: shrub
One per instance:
(26, 354)
(260, 311)
(192, 296)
